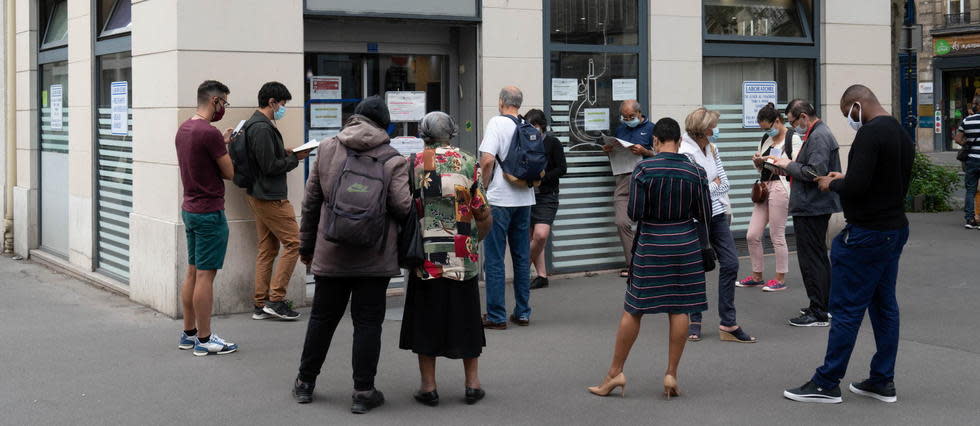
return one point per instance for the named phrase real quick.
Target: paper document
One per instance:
(238, 128)
(621, 159)
(312, 144)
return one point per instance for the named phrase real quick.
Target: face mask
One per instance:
(856, 125)
(714, 136)
(280, 113)
(631, 123)
(218, 113)
(802, 128)
(772, 132)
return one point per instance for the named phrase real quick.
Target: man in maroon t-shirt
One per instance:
(202, 156)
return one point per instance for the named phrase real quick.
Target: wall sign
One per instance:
(925, 87)
(939, 122)
(119, 100)
(57, 118)
(405, 106)
(325, 87)
(326, 115)
(755, 95)
(623, 89)
(564, 89)
(966, 44)
(596, 119)
(407, 145)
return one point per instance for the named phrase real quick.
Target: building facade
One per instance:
(102, 85)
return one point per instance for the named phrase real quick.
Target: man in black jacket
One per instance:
(275, 220)
(866, 253)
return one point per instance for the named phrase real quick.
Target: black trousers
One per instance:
(367, 297)
(811, 249)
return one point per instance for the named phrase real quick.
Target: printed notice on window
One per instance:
(624, 89)
(325, 87)
(407, 145)
(405, 106)
(326, 115)
(755, 96)
(119, 100)
(596, 119)
(57, 119)
(564, 89)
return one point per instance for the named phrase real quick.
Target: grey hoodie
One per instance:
(333, 260)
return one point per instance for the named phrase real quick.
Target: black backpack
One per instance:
(241, 159)
(357, 214)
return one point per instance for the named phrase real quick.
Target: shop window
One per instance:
(115, 17)
(723, 77)
(598, 22)
(55, 24)
(758, 18)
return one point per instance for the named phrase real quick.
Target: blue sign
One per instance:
(927, 121)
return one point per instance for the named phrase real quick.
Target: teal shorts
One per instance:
(207, 239)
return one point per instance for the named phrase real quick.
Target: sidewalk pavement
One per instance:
(77, 355)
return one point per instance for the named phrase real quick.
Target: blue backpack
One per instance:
(526, 159)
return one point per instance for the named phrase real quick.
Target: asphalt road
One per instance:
(73, 354)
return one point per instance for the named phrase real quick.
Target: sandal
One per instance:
(736, 335)
(624, 273)
(694, 332)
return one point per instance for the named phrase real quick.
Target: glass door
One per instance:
(53, 86)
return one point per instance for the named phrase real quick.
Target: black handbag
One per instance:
(964, 154)
(708, 256)
(411, 254)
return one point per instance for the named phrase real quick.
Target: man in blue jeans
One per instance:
(865, 256)
(510, 206)
(968, 135)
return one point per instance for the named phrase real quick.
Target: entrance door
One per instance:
(959, 88)
(54, 158)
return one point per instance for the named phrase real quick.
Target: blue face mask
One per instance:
(772, 132)
(280, 113)
(631, 123)
(714, 136)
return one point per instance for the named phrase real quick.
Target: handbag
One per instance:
(964, 154)
(411, 254)
(708, 256)
(760, 192)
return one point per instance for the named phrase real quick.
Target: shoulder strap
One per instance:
(766, 143)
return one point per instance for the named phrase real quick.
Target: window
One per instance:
(723, 77)
(758, 18)
(598, 22)
(115, 17)
(55, 24)
(114, 174)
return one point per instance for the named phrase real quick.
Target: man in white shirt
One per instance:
(511, 208)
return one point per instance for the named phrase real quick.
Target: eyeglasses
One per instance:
(224, 102)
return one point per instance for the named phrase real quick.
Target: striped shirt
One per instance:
(970, 126)
(711, 163)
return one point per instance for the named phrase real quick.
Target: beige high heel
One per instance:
(670, 387)
(610, 384)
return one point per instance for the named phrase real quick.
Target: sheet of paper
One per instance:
(405, 106)
(407, 145)
(238, 128)
(326, 115)
(325, 87)
(755, 95)
(623, 89)
(57, 117)
(622, 161)
(564, 89)
(312, 144)
(611, 140)
(596, 119)
(119, 101)
(321, 134)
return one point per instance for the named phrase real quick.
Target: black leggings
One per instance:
(367, 308)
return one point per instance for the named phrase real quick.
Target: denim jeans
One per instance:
(722, 240)
(972, 170)
(510, 225)
(865, 269)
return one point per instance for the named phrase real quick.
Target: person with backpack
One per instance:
(770, 196)
(512, 162)
(356, 195)
(275, 219)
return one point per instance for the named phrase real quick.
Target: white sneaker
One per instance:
(215, 345)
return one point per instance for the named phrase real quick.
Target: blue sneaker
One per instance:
(749, 282)
(215, 345)
(186, 342)
(774, 285)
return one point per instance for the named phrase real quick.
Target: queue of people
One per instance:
(673, 214)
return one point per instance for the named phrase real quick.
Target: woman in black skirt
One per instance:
(442, 304)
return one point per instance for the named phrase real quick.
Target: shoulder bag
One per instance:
(708, 255)
(760, 190)
(411, 254)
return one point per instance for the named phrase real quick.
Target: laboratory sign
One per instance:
(968, 44)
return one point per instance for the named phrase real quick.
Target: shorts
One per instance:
(207, 239)
(545, 208)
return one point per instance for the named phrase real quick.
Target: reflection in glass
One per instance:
(599, 22)
(595, 73)
(723, 77)
(57, 29)
(120, 19)
(753, 18)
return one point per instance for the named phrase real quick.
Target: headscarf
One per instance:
(437, 127)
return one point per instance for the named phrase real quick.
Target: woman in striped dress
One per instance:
(667, 192)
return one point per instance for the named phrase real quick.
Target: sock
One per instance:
(204, 339)
(190, 332)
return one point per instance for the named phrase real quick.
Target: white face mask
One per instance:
(856, 125)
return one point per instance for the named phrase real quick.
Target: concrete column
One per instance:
(80, 135)
(846, 26)
(676, 61)
(26, 191)
(511, 56)
(176, 46)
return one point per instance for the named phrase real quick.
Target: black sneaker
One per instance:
(882, 391)
(303, 391)
(809, 319)
(259, 314)
(539, 282)
(366, 401)
(971, 224)
(282, 309)
(810, 392)
(807, 309)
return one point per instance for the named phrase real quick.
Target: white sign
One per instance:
(325, 87)
(321, 134)
(564, 89)
(326, 115)
(925, 88)
(407, 145)
(596, 119)
(119, 100)
(57, 120)
(405, 106)
(624, 89)
(755, 95)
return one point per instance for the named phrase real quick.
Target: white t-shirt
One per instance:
(496, 141)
